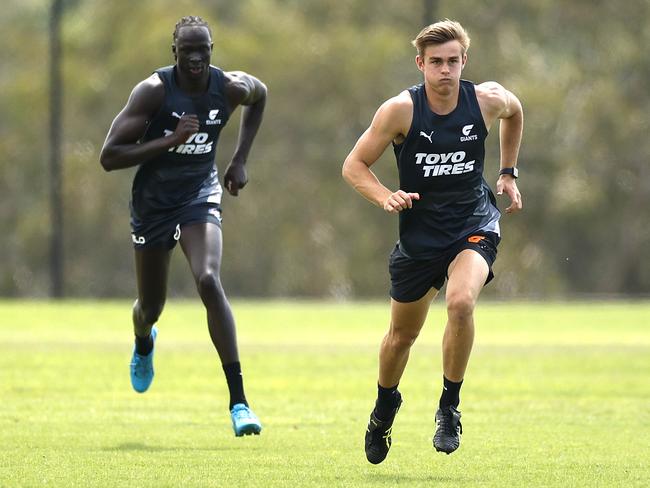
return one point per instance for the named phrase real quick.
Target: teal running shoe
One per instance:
(142, 367)
(244, 421)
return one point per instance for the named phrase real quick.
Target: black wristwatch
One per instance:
(514, 172)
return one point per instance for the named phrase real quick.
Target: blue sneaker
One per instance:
(244, 421)
(142, 367)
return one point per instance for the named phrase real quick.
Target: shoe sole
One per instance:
(446, 452)
(438, 449)
(249, 430)
(376, 461)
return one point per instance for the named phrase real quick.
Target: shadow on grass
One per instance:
(397, 478)
(138, 446)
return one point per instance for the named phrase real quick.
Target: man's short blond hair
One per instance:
(439, 33)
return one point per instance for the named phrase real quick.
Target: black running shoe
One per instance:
(448, 430)
(378, 435)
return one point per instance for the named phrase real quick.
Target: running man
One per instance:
(448, 218)
(169, 128)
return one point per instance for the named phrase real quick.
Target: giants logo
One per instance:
(438, 164)
(212, 118)
(196, 144)
(466, 134)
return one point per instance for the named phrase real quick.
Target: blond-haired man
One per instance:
(448, 218)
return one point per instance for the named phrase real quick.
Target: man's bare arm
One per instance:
(498, 103)
(391, 122)
(121, 148)
(246, 90)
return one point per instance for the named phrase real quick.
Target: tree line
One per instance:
(580, 70)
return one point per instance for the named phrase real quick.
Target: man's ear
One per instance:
(174, 51)
(419, 62)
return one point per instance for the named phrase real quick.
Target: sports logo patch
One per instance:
(466, 134)
(212, 117)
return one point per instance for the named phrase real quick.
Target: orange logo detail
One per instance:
(475, 239)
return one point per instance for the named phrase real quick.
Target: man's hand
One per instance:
(400, 200)
(235, 178)
(508, 184)
(187, 125)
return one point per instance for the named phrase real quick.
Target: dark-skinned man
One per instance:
(169, 129)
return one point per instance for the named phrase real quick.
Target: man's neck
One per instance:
(190, 86)
(442, 103)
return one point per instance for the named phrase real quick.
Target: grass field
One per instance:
(555, 395)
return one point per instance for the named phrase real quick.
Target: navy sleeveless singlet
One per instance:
(442, 160)
(186, 174)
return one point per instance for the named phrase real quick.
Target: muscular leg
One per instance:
(202, 246)
(406, 322)
(151, 268)
(467, 275)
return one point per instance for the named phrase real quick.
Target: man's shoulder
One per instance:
(493, 100)
(242, 88)
(401, 103)
(152, 83)
(236, 81)
(490, 90)
(149, 94)
(394, 116)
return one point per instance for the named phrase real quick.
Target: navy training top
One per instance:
(442, 160)
(186, 174)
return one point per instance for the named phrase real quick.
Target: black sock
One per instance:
(450, 393)
(235, 383)
(387, 401)
(143, 345)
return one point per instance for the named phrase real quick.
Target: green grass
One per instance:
(555, 395)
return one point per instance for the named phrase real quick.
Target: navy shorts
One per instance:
(411, 279)
(166, 231)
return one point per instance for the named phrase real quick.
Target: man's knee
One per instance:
(148, 313)
(460, 306)
(209, 285)
(400, 338)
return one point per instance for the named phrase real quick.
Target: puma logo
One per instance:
(174, 114)
(427, 136)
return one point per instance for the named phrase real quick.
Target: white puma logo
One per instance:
(427, 136)
(174, 114)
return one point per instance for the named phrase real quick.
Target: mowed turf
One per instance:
(555, 395)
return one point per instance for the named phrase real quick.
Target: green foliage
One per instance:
(556, 395)
(297, 230)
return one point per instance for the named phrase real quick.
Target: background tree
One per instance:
(297, 229)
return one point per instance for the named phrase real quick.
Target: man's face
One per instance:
(442, 65)
(192, 50)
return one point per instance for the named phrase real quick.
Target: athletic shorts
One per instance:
(411, 279)
(166, 231)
